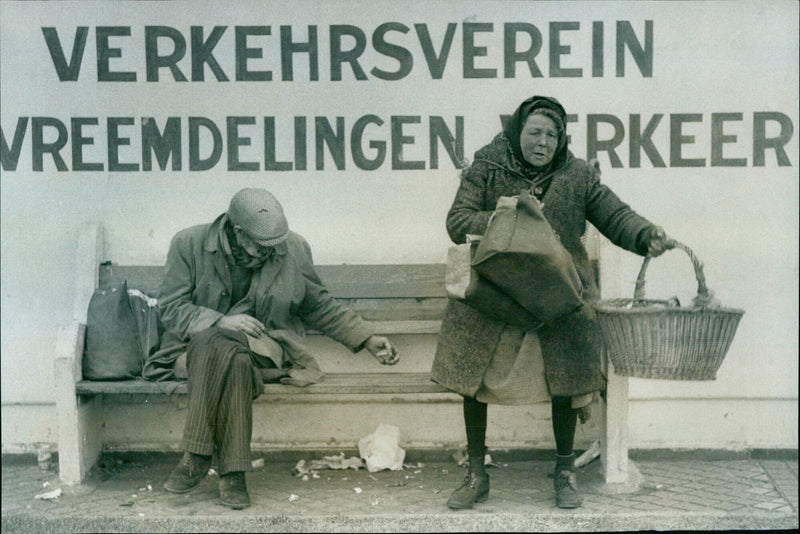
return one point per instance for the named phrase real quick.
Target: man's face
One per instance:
(250, 245)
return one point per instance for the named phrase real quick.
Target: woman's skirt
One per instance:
(515, 375)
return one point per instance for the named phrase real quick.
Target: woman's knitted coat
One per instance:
(573, 196)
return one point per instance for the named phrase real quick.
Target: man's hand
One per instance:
(242, 323)
(382, 349)
(659, 242)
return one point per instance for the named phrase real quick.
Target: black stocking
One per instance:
(565, 418)
(475, 415)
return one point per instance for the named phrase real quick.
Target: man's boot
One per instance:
(475, 487)
(188, 473)
(233, 490)
(565, 482)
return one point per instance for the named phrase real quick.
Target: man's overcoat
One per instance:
(197, 286)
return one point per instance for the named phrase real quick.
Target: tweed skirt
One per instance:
(515, 375)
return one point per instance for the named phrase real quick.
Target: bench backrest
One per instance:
(377, 292)
(392, 292)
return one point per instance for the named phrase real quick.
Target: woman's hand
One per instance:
(659, 242)
(382, 349)
(242, 323)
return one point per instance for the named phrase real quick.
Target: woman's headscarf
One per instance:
(554, 111)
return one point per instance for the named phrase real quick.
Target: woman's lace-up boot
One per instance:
(565, 482)
(475, 487)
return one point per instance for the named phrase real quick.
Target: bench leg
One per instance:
(79, 418)
(619, 472)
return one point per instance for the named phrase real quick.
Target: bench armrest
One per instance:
(79, 419)
(69, 355)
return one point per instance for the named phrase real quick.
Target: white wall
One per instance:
(709, 57)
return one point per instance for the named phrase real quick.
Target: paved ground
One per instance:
(126, 495)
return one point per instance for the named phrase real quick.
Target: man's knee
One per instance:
(216, 335)
(215, 342)
(241, 363)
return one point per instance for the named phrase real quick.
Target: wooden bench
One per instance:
(397, 299)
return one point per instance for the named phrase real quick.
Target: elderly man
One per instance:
(234, 300)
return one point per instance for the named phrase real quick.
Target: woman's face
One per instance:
(538, 139)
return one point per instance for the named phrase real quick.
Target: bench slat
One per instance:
(384, 281)
(406, 327)
(417, 281)
(397, 309)
(333, 384)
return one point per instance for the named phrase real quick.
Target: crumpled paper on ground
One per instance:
(49, 496)
(591, 454)
(381, 449)
(328, 462)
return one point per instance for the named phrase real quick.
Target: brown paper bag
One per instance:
(463, 282)
(523, 257)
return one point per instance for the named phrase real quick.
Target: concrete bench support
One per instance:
(614, 441)
(79, 432)
(79, 429)
(619, 472)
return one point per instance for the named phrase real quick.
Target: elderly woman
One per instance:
(487, 361)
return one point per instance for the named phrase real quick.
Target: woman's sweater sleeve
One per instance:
(468, 214)
(615, 219)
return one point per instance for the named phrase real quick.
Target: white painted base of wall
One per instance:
(727, 424)
(29, 427)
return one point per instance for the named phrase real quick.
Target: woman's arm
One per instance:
(469, 213)
(617, 220)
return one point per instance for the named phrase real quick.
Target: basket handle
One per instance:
(703, 293)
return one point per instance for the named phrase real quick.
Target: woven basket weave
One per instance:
(655, 339)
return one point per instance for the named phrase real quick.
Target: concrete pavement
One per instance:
(125, 494)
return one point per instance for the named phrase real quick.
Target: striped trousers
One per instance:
(223, 381)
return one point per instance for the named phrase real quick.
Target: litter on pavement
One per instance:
(381, 449)
(49, 495)
(591, 454)
(303, 468)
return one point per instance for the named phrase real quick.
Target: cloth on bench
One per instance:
(294, 364)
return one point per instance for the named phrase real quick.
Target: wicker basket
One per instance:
(657, 339)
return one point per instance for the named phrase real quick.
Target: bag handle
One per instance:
(704, 295)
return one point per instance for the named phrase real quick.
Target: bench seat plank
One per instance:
(333, 384)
